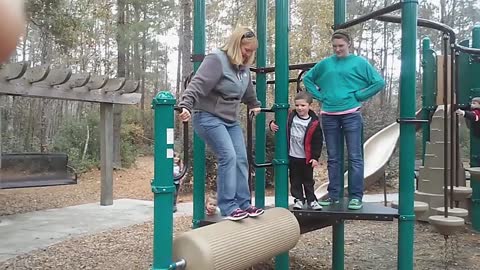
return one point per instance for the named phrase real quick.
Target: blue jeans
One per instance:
(227, 142)
(352, 126)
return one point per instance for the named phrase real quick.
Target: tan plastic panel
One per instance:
(231, 245)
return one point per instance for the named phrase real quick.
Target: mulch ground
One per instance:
(368, 245)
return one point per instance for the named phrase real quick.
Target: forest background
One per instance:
(151, 41)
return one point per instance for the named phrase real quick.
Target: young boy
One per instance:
(305, 140)
(472, 114)
(177, 171)
(211, 208)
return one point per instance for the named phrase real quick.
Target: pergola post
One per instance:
(106, 153)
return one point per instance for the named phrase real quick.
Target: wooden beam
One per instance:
(106, 153)
(22, 88)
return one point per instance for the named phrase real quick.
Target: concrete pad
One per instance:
(23, 233)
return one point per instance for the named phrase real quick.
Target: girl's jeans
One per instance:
(352, 126)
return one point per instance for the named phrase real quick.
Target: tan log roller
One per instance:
(231, 245)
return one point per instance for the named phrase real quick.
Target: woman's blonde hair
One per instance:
(241, 35)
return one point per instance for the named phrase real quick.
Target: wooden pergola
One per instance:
(45, 81)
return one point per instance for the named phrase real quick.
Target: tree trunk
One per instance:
(121, 72)
(443, 10)
(187, 38)
(142, 77)
(383, 94)
(179, 58)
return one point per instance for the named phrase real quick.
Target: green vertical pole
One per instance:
(198, 145)
(162, 184)
(281, 112)
(261, 87)
(475, 144)
(407, 135)
(338, 232)
(428, 81)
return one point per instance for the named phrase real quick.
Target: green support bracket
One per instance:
(280, 161)
(163, 189)
(162, 184)
(279, 106)
(406, 218)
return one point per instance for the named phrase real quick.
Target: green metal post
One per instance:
(338, 232)
(465, 77)
(261, 87)
(281, 113)
(474, 141)
(198, 144)
(429, 89)
(407, 135)
(162, 184)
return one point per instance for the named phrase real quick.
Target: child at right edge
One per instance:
(472, 113)
(305, 141)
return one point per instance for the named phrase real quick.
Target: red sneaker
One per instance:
(238, 214)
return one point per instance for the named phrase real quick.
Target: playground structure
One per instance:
(47, 81)
(213, 251)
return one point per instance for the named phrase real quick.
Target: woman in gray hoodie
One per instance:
(214, 95)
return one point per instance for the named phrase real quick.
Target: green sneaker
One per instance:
(355, 204)
(327, 202)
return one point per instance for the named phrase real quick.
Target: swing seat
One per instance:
(24, 170)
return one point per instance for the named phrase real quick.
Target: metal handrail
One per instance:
(185, 148)
(251, 156)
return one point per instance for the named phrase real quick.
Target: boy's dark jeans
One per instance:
(301, 179)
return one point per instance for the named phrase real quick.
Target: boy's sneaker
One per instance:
(254, 211)
(355, 204)
(328, 201)
(314, 206)
(298, 205)
(238, 214)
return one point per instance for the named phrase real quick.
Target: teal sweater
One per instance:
(341, 84)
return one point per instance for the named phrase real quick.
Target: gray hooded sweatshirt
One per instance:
(218, 87)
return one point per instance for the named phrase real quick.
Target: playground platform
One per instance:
(23, 233)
